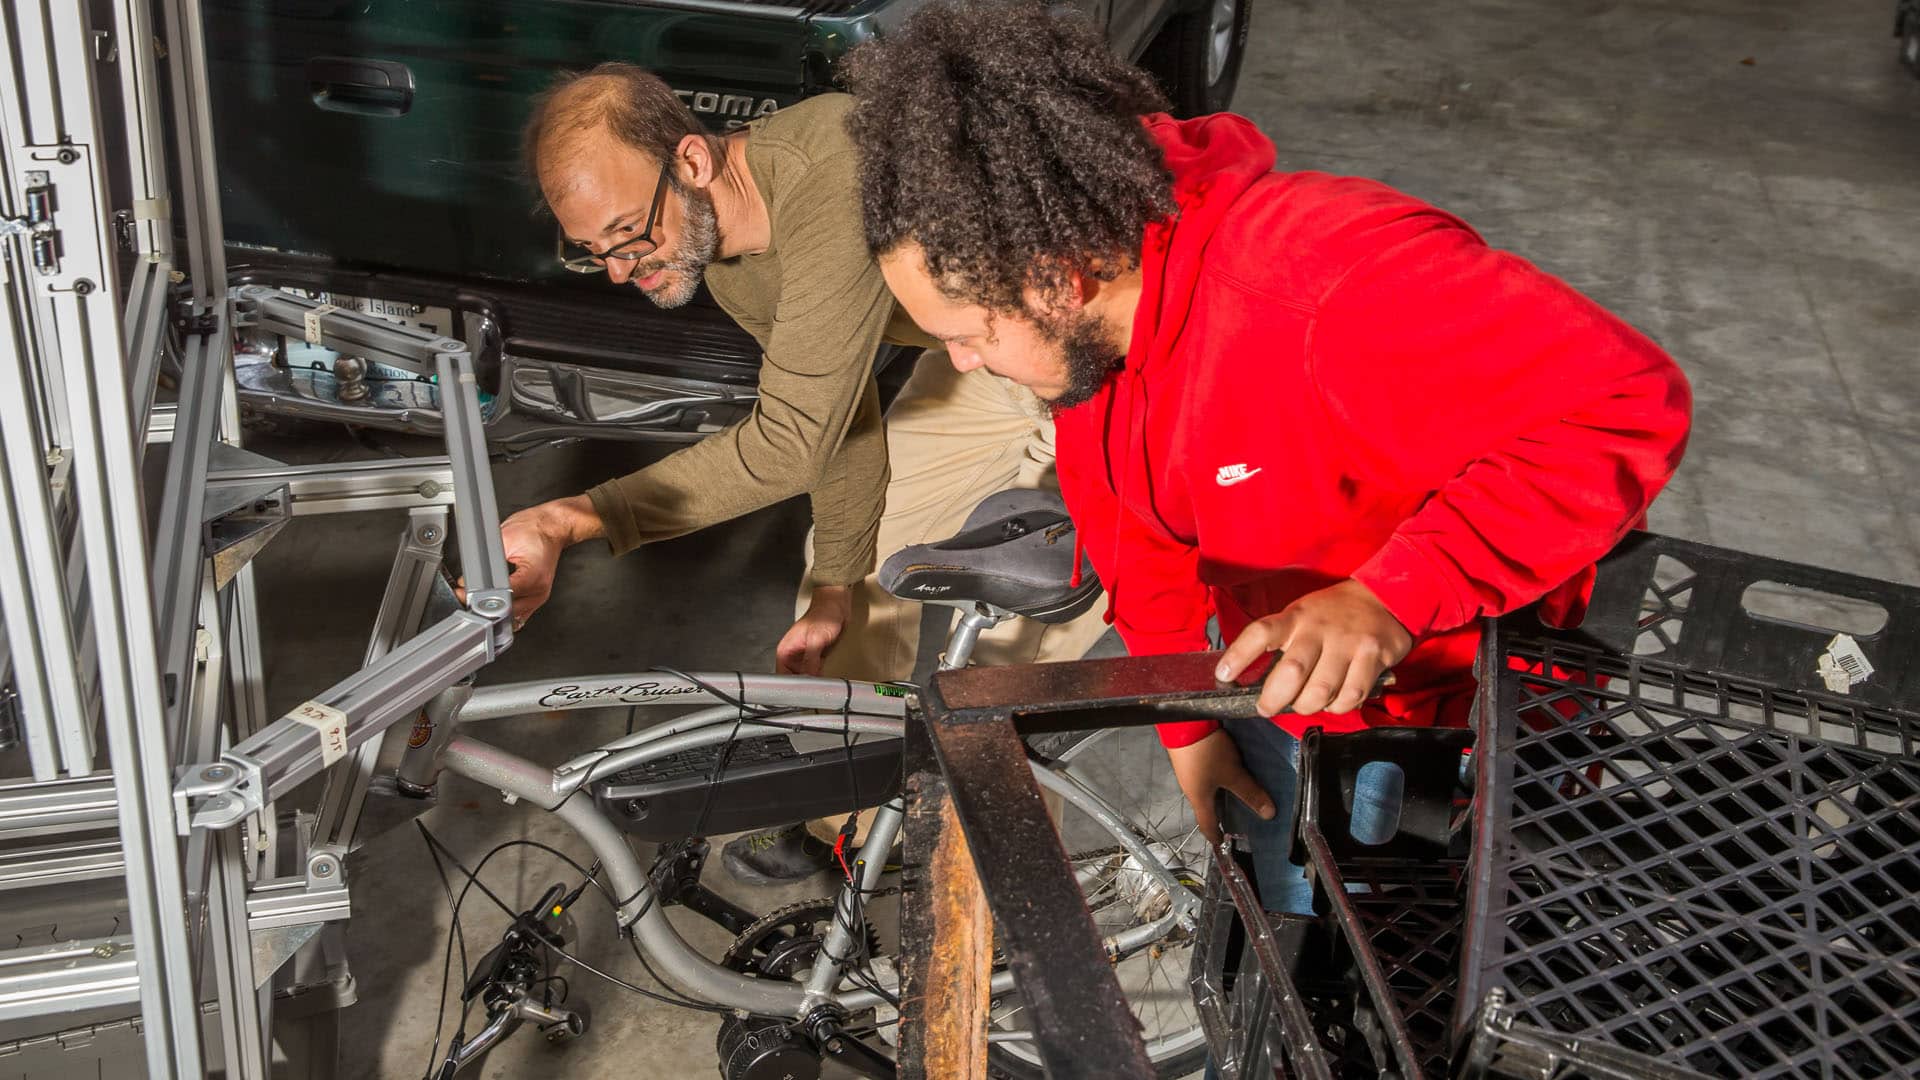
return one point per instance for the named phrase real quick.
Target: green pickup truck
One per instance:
(369, 152)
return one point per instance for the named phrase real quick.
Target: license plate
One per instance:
(387, 387)
(434, 320)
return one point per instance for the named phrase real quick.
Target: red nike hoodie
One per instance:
(1329, 379)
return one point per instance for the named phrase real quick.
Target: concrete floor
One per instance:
(1740, 180)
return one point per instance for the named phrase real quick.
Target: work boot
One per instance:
(777, 856)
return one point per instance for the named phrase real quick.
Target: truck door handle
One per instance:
(345, 84)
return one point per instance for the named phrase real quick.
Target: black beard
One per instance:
(1089, 356)
(687, 266)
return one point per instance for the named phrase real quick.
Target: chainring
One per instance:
(784, 942)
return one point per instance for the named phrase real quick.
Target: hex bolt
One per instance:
(493, 605)
(82, 287)
(323, 868)
(216, 772)
(429, 534)
(218, 802)
(67, 156)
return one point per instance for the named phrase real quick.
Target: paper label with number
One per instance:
(330, 722)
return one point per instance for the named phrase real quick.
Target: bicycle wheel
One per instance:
(1130, 772)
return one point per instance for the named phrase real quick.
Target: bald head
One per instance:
(613, 101)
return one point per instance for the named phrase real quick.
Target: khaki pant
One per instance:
(952, 440)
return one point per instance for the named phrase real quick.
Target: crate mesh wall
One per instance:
(1703, 868)
(1412, 921)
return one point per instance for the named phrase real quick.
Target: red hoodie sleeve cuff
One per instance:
(1408, 583)
(1181, 733)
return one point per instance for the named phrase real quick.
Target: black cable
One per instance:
(846, 743)
(446, 961)
(640, 955)
(566, 988)
(726, 748)
(625, 985)
(589, 873)
(739, 702)
(473, 879)
(473, 875)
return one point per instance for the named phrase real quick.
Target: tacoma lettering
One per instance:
(735, 109)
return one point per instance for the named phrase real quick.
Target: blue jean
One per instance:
(1273, 757)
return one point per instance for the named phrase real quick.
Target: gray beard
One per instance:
(686, 267)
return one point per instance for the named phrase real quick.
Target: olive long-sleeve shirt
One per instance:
(817, 305)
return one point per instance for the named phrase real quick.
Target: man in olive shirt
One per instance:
(769, 217)
(752, 214)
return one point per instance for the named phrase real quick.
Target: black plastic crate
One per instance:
(1687, 846)
(1277, 993)
(1395, 904)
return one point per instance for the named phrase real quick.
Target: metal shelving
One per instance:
(132, 656)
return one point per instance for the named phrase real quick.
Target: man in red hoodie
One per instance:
(1311, 408)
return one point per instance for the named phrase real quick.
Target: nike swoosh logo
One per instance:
(1229, 481)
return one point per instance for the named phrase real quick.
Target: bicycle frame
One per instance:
(828, 706)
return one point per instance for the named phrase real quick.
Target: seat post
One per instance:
(966, 634)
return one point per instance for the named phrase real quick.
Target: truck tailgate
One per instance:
(385, 133)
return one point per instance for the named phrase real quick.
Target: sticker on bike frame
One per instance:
(331, 724)
(422, 732)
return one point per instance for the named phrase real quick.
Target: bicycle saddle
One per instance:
(1015, 553)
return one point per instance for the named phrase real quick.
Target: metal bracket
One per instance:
(57, 174)
(43, 241)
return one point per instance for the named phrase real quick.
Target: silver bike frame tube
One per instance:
(693, 973)
(570, 782)
(716, 725)
(659, 688)
(688, 971)
(844, 936)
(705, 719)
(720, 714)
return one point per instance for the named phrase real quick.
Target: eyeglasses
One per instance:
(639, 247)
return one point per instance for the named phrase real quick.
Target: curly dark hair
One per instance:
(1006, 141)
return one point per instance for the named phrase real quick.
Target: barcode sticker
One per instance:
(1844, 666)
(330, 722)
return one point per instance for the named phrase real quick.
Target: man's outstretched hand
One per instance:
(1210, 765)
(803, 648)
(1334, 646)
(533, 539)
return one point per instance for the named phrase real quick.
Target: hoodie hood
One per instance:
(1214, 160)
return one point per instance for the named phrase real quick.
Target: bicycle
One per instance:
(794, 994)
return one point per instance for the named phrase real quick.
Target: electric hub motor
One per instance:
(763, 1049)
